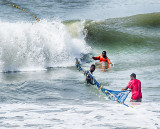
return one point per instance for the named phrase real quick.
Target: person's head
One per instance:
(92, 68)
(133, 76)
(104, 53)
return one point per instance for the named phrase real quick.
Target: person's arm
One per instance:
(108, 61)
(96, 58)
(87, 76)
(125, 88)
(128, 86)
(89, 80)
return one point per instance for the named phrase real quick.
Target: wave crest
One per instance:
(35, 46)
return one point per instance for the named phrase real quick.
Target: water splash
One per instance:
(28, 46)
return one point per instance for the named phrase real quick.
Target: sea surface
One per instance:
(40, 88)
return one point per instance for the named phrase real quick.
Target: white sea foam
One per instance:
(26, 46)
(89, 115)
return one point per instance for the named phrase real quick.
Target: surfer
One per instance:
(135, 86)
(103, 58)
(88, 78)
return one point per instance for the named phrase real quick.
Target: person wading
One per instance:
(135, 86)
(103, 58)
(88, 78)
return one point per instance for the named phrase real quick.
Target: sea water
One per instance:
(39, 84)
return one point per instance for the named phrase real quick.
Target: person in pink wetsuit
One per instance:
(135, 86)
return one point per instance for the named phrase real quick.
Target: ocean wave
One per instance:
(138, 29)
(26, 46)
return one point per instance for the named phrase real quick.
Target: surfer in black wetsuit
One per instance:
(88, 78)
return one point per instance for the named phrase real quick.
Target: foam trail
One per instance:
(28, 46)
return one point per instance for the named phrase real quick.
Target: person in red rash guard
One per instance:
(103, 58)
(135, 86)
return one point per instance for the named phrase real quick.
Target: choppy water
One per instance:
(39, 84)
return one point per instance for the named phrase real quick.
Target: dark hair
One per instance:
(93, 65)
(133, 75)
(104, 52)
